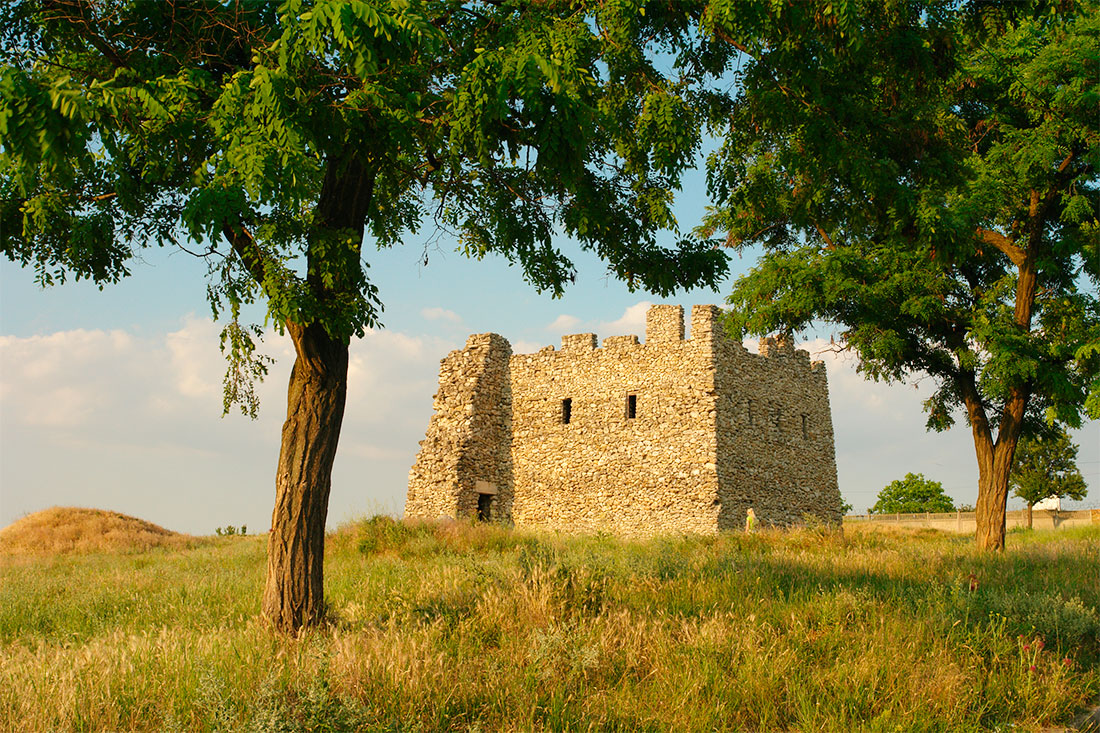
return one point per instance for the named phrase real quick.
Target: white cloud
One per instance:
(42, 382)
(440, 314)
(132, 423)
(564, 322)
(527, 347)
(632, 322)
(195, 359)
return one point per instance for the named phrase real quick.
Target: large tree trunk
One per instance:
(994, 460)
(294, 595)
(993, 498)
(1029, 508)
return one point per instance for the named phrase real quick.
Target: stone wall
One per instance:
(672, 435)
(775, 436)
(605, 470)
(467, 451)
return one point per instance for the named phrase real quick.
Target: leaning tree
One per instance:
(923, 175)
(280, 142)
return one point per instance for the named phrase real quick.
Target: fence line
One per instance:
(965, 522)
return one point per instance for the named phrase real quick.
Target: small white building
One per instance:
(1051, 503)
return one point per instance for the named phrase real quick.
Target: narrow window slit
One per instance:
(631, 406)
(566, 410)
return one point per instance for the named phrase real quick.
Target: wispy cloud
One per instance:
(632, 322)
(526, 347)
(440, 314)
(564, 322)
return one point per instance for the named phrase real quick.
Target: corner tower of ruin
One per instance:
(672, 435)
(464, 463)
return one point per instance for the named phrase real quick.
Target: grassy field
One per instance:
(469, 627)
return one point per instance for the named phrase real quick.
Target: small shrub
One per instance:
(381, 533)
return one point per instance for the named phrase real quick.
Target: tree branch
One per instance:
(825, 235)
(722, 36)
(1003, 243)
(77, 13)
(242, 242)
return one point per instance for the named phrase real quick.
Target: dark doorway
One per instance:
(484, 507)
(631, 406)
(566, 410)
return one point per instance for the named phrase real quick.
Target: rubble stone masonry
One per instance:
(673, 435)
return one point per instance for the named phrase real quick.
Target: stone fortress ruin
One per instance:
(670, 435)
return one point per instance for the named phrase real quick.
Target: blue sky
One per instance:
(112, 399)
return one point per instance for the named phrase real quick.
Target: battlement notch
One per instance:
(619, 342)
(578, 342)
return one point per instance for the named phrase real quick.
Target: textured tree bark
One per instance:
(993, 497)
(1029, 515)
(995, 457)
(994, 461)
(294, 594)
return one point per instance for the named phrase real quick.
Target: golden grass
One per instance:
(472, 627)
(64, 530)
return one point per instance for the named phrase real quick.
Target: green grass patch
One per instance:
(476, 627)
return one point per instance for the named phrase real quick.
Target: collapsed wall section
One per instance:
(775, 436)
(618, 438)
(463, 468)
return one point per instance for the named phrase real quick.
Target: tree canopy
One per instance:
(922, 175)
(1046, 466)
(281, 142)
(911, 495)
(230, 125)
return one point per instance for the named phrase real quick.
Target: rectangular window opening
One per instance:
(631, 406)
(805, 427)
(484, 507)
(566, 410)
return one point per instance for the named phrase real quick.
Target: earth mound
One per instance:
(61, 530)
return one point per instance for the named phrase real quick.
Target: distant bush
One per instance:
(229, 530)
(911, 495)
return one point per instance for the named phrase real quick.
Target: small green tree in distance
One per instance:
(1046, 466)
(911, 495)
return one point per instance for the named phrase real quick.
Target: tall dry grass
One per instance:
(475, 627)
